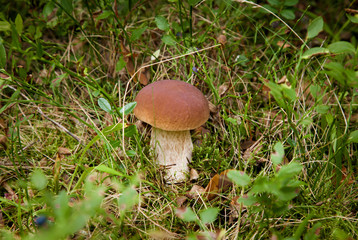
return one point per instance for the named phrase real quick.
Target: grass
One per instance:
(282, 83)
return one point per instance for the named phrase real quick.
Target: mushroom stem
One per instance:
(173, 150)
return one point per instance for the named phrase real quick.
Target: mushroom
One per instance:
(173, 108)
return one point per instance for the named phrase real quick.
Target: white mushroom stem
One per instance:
(173, 150)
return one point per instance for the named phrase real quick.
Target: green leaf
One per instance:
(15, 43)
(290, 3)
(353, 19)
(274, 2)
(120, 64)
(4, 26)
(104, 104)
(48, 8)
(353, 137)
(322, 109)
(19, 24)
(238, 177)
(289, 170)
(288, 14)
(341, 47)
(128, 198)
(315, 90)
(39, 179)
(104, 15)
(128, 108)
(186, 214)
(314, 51)
(130, 131)
(162, 23)
(169, 40)
(288, 92)
(131, 153)
(39, 49)
(279, 153)
(67, 5)
(247, 201)
(2, 56)
(231, 120)
(104, 168)
(306, 121)
(209, 215)
(315, 27)
(137, 33)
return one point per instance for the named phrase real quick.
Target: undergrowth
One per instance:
(277, 158)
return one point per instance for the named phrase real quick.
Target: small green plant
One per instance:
(271, 195)
(285, 8)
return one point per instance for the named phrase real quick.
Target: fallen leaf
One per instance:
(251, 151)
(217, 235)
(195, 192)
(284, 80)
(246, 144)
(10, 195)
(193, 174)
(4, 76)
(3, 142)
(2, 222)
(143, 75)
(181, 200)
(63, 151)
(100, 178)
(222, 39)
(213, 108)
(3, 124)
(219, 183)
(160, 235)
(283, 44)
(226, 68)
(223, 88)
(199, 134)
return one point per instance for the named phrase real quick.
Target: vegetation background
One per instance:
(276, 160)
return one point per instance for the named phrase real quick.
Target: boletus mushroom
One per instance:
(172, 108)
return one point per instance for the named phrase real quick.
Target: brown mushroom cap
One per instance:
(172, 105)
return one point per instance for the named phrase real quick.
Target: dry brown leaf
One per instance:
(10, 195)
(213, 108)
(223, 88)
(160, 235)
(222, 39)
(2, 222)
(63, 151)
(195, 192)
(4, 76)
(3, 124)
(100, 178)
(219, 183)
(217, 235)
(283, 44)
(354, 117)
(246, 144)
(3, 142)
(199, 134)
(181, 200)
(143, 75)
(226, 68)
(193, 174)
(251, 151)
